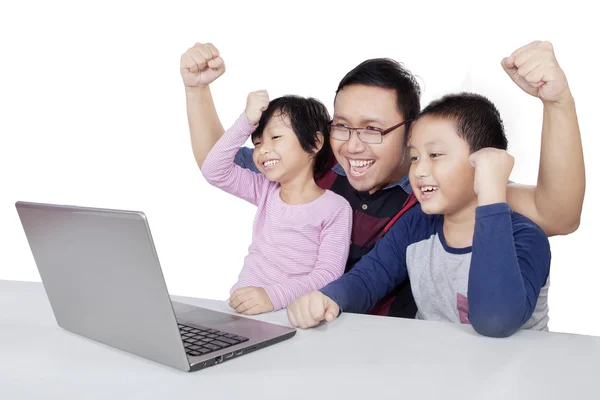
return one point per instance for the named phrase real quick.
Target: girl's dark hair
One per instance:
(308, 116)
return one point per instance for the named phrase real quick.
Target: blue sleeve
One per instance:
(243, 158)
(379, 271)
(510, 264)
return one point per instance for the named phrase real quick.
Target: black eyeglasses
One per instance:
(370, 135)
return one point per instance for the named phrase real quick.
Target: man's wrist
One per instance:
(566, 102)
(197, 91)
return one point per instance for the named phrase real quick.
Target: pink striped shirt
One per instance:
(295, 249)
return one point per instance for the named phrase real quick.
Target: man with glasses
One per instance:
(369, 135)
(373, 108)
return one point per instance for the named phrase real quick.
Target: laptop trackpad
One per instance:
(202, 316)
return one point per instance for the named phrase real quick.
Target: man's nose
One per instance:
(354, 144)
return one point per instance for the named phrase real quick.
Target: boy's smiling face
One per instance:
(440, 174)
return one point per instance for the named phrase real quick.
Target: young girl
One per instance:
(301, 233)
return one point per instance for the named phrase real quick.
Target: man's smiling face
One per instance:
(369, 167)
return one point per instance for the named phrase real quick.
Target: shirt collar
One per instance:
(404, 183)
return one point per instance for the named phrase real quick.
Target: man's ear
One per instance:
(320, 141)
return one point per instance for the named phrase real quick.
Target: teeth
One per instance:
(428, 188)
(360, 163)
(270, 163)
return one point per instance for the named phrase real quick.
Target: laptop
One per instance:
(103, 279)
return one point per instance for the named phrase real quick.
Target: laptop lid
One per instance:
(101, 273)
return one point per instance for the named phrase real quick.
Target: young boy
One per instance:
(470, 259)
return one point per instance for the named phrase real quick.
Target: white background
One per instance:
(92, 111)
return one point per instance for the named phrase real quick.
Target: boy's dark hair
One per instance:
(307, 117)
(477, 119)
(388, 74)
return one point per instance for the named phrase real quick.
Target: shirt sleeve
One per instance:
(243, 158)
(220, 170)
(331, 261)
(510, 264)
(379, 271)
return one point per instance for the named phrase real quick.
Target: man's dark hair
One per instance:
(388, 74)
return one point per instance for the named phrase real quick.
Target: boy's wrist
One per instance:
(491, 196)
(491, 209)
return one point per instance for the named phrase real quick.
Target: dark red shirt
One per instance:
(373, 215)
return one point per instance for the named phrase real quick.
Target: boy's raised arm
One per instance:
(510, 261)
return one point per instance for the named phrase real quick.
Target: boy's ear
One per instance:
(320, 141)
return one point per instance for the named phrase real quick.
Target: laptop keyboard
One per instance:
(199, 341)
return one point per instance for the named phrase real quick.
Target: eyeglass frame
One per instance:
(382, 132)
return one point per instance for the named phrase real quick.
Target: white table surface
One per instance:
(355, 357)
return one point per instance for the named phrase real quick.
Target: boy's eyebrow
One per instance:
(434, 142)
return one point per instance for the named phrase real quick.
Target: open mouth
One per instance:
(427, 192)
(360, 167)
(270, 164)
